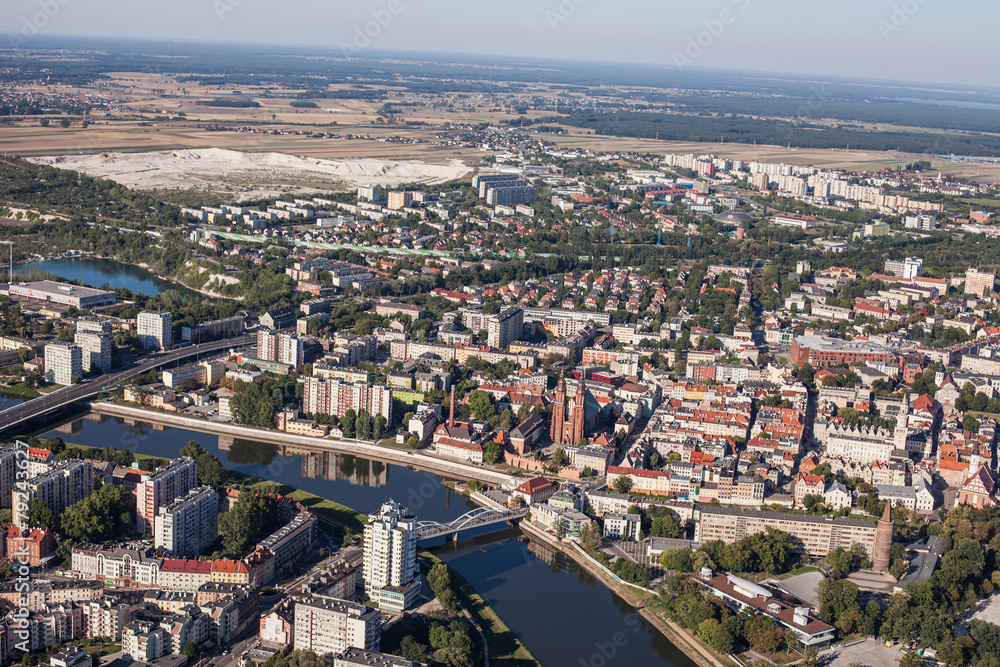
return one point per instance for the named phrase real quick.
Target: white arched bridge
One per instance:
(477, 518)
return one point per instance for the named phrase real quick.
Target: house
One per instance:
(979, 490)
(808, 485)
(31, 547)
(535, 491)
(836, 496)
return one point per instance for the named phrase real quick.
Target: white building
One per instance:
(63, 362)
(622, 526)
(329, 626)
(390, 560)
(94, 338)
(185, 527)
(155, 330)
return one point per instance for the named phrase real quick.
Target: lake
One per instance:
(561, 613)
(98, 272)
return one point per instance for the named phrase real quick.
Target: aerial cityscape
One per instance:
(564, 334)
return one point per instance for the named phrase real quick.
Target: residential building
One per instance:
(505, 328)
(329, 626)
(94, 338)
(622, 526)
(815, 535)
(63, 362)
(62, 484)
(155, 330)
(187, 526)
(908, 268)
(281, 348)
(979, 282)
(335, 397)
(390, 557)
(162, 487)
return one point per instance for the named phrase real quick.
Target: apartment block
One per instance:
(815, 535)
(286, 349)
(505, 328)
(63, 484)
(335, 397)
(155, 330)
(188, 525)
(162, 487)
(979, 282)
(390, 557)
(329, 626)
(63, 362)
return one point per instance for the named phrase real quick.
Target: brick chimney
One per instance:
(451, 417)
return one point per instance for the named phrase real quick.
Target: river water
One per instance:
(561, 613)
(99, 272)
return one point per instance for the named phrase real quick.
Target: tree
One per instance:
(378, 428)
(841, 561)
(253, 515)
(105, 514)
(347, 423)
(482, 405)
(40, 515)
(716, 635)
(363, 425)
(836, 597)
(492, 452)
(191, 650)
(679, 559)
(622, 484)
(439, 579)
(506, 419)
(763, 634)
(590, 536)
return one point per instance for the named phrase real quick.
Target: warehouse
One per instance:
(48, 291)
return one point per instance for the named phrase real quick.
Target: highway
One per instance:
(93, 386)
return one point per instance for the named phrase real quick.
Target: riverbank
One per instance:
(175, 282)
(504, 648)
(638, 599)
(295, 444)
(327, 511)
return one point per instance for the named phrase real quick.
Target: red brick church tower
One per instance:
(883, 540)
(568, 415)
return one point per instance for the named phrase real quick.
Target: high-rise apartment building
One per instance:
(281, 348)
(400, 200)
(505, 328)
(63, 362)
(390, 559)
(979, 282)
(65, 483)
(328, 625)
(162, 487)
(188, 525)
(155, 330)
(908, 268)
(94, 338)
(330, 396)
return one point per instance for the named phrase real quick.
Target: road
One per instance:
(93, 386)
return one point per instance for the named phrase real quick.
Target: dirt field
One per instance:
(137, 103)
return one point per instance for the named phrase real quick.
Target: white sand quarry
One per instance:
(250, 174)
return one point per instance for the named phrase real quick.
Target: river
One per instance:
(99, 272)
(561, 613)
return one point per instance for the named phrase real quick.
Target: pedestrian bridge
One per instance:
(477, 519)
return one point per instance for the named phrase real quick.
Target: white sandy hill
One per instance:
(212, 167)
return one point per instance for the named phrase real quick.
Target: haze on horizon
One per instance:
(876, 39)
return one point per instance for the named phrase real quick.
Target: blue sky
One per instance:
(914, 40)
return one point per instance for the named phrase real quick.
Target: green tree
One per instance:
(378, 428)
(622, 484)
(679, 559)
(482, 404)
(439, 579)
(763, 634)
(492, 452)
(191, 650)
(254, 514)
(363, 425)
(347, 423)
(713, 633)
(105, 514)
(40, 515)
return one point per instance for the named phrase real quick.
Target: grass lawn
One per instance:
(506, 650)
(805, 569)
